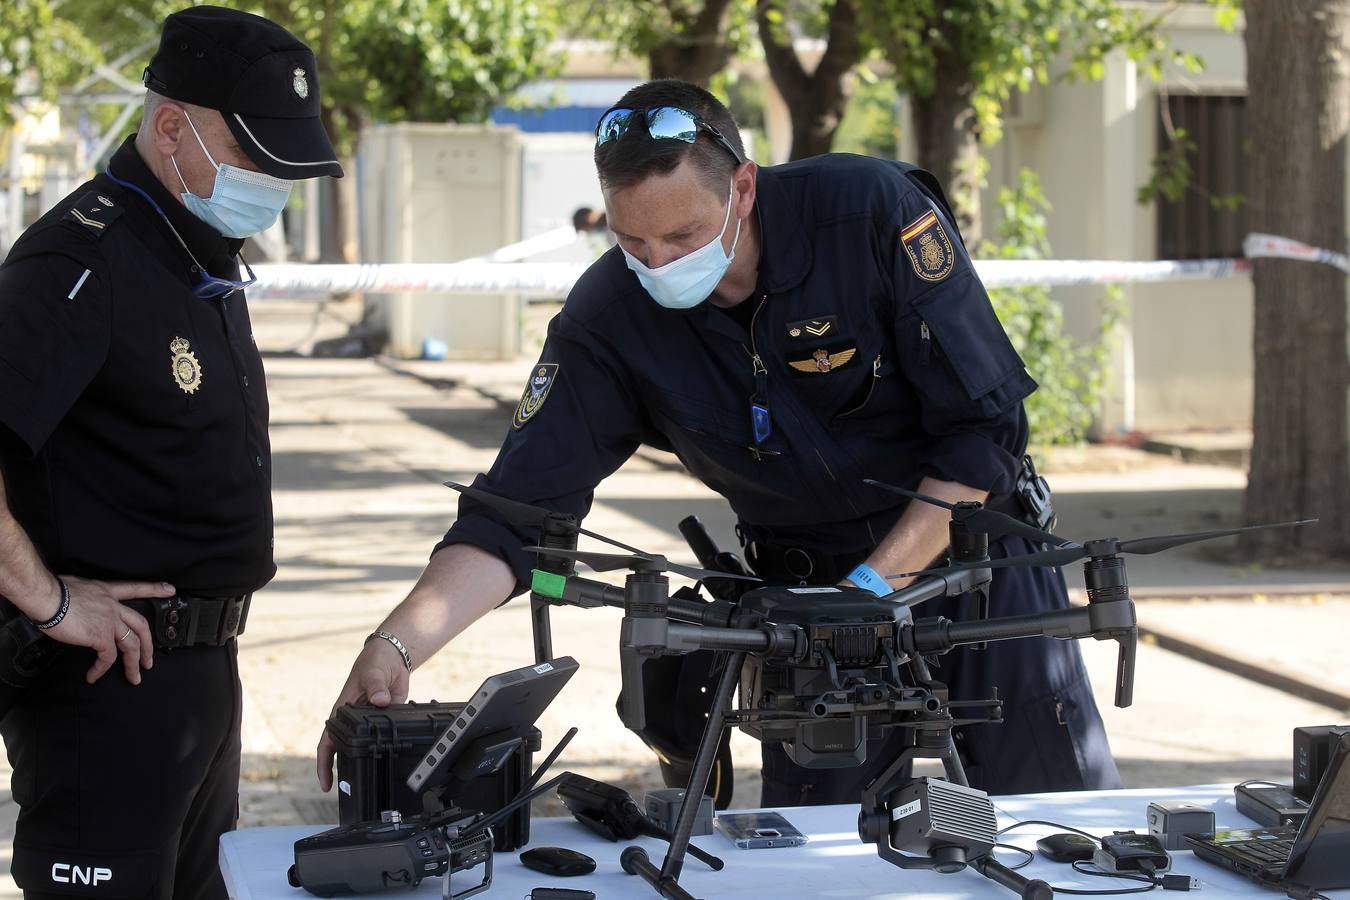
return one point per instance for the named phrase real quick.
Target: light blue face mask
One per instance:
(686, 282)
(242, 203)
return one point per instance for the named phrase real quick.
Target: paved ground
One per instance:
(361, 446)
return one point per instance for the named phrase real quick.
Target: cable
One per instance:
(1259, 781)
(1015, 825)
(1168, 881)
(1026, 862)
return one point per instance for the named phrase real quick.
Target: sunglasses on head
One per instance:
(664, 123)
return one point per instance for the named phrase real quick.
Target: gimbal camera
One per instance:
(821, 667)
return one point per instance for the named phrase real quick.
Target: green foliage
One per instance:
(871, 124)
(1000, 46)
(1071, 375)
(390, 60)
(638, 27)
(1171, 177)
(38, 52)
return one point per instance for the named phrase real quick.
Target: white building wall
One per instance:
(1183, 359)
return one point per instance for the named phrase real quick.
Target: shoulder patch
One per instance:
(93, 211)
(536, 392)
(929, 248)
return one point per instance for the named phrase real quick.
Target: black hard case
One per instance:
(378, 747)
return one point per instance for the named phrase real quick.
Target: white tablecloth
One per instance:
(834, 864)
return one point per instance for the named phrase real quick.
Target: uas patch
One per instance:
(930, 250)
(536, 392)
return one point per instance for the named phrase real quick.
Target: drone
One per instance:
(819, 668)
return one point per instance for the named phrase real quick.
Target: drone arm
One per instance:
(1106, 619)
(951, 583)
(771, 641)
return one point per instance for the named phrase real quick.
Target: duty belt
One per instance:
(193, 621)
(786, 563)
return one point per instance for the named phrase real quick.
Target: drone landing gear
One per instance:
(666, 880)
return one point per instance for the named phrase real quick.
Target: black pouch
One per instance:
(25, 654)
(1033, 497)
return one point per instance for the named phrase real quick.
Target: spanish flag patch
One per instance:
(930, 250)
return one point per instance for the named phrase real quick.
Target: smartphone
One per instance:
(758, 830)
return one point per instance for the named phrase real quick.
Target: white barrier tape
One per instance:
(554, 239)
(1272, 246)
(556, 279)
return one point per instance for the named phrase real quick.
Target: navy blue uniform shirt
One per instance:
(870, 342)
(134, 439)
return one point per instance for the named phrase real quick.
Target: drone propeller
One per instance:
(531, 516)
(1104, 547)
(977, 517)
(638, 561)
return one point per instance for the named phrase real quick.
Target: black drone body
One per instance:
(820, 668)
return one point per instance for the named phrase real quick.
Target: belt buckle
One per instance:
(232, 618)
(173, 621)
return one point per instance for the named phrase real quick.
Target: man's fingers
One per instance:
(106, 657)
(129, 644)
(140, 629)
(375, 685)
(327, 752)
(399, 689)
(136, 590)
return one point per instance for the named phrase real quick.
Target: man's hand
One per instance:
(99, 619)
(378, 678)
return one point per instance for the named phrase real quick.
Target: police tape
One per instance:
(1272, 246)
(546, 280)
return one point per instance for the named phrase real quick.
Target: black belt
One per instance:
(786, 563)
(193, 621)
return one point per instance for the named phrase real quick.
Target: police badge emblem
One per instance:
(823, 361)
(930, 250)
(536, 392)
(186, 370)
(300, 83)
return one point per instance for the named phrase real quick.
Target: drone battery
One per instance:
(1312, 753)
(663, 807)
(1171, 822)
(1274, 806)
(377, 748)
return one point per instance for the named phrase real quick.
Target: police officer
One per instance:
(135, 512)
(787, 332)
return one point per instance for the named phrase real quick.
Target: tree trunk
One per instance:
(1298, 76)
(339, 244)
(948, 140)
(698, 51)
(816, 101)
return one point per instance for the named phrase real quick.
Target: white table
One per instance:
(834, 864)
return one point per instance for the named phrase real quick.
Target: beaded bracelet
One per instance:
(61, 612)
(398, 645)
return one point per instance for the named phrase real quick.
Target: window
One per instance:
(1210, 219)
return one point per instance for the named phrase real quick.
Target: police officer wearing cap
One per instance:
(787, 332)
(135, 513)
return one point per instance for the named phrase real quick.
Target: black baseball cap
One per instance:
(258, 76)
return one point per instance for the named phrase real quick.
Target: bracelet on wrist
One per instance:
(398, 645)
(61, 610)
(867, 578)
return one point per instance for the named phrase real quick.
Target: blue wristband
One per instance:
(864, 576)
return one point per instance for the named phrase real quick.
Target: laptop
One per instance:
(1315, 855)
(496, 717)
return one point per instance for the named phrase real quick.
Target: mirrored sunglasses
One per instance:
(663, 123)
(212, 288)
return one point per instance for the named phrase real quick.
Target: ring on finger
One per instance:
(124, 636)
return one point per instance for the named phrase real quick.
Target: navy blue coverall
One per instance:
(875, 350)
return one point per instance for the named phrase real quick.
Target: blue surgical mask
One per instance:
(688, 281)
(242, 203)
